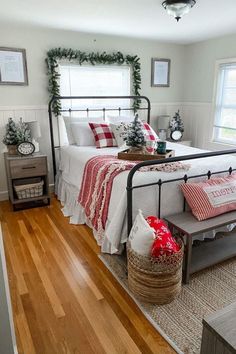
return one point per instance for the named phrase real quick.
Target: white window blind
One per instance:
(99, 80)
(225, 113)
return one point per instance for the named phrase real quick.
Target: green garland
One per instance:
(57, 54)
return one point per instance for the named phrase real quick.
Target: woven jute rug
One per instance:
(180, 322)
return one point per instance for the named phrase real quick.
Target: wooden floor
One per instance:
(64, 299)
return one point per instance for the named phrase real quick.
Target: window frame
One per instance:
(216, 107)
(108, 66)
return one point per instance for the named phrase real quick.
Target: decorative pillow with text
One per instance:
(211, 198)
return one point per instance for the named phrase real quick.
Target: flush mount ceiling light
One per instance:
(178, 8)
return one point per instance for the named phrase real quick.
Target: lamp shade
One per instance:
(34, 129)
(163, 122)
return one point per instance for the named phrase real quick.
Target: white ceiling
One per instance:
(133, 18)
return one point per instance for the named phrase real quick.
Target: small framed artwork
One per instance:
(13, 67)
(160, 72)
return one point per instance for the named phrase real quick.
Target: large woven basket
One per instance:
(155, 280)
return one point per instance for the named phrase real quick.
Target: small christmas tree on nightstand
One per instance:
(176, 123)
(15, 134)
(135, 137)
(23, 132)
(10, 138)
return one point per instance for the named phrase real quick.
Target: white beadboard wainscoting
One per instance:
(196, 116)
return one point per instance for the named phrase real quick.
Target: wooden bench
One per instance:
(207, 254)
(219, 332)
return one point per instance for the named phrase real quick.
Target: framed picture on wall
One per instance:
(13, 67)
(160, 72)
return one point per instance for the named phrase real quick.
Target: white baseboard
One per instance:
(51, 188)
(3, 195)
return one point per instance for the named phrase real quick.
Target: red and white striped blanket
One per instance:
(95, 193)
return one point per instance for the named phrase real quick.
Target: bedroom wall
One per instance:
(30, 102)
(199, 73)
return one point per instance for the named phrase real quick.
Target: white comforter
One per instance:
(74, 158)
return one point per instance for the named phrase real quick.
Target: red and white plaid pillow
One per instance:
(149, 133)
(103, 135)
(214, 197)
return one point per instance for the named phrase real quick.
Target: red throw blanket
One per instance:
(97, 182)
(95, 192)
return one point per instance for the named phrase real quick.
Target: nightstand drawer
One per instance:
(28, 167)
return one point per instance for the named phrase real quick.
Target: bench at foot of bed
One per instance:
(207, 254)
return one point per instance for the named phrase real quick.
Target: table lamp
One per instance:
(35, 133)
(163, 126)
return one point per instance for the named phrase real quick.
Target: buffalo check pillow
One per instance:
(149, 133)
(214, 197)
(103, 135)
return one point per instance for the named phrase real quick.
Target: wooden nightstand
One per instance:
(23, 170)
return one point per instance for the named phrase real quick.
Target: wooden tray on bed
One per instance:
(124, 155)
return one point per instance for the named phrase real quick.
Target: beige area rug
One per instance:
(180, 322)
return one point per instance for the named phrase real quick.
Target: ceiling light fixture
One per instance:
(178, 8)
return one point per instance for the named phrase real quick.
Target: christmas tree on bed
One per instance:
(135, 137)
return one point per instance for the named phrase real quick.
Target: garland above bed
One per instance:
(57, 54)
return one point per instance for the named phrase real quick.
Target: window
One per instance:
(225, 113)
(99, 80)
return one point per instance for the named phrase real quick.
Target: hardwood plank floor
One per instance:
(64, 299)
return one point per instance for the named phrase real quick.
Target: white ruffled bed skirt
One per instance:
(68, 196)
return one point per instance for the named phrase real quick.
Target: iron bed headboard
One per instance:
(87, 110)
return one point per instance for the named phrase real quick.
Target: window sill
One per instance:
(216, 145)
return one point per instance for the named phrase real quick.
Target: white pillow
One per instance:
(82, 134)
(62, 132)
(120, 132)
(68, 120)
(119, 119)
(141, 236)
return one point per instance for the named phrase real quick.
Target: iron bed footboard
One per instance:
(130, 187)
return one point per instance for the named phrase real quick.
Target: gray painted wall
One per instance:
(37, 41)
(200, 60)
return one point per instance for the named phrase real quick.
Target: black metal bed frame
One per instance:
(130, 187)
(87, 110)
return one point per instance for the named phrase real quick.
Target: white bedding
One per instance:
(73, 160)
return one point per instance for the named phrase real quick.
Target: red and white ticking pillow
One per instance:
(149, 133)
(103, 135)
(214, 197)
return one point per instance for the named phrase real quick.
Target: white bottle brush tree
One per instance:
(135, 137)
(176, 123)
(16, 133)
(23, 132)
